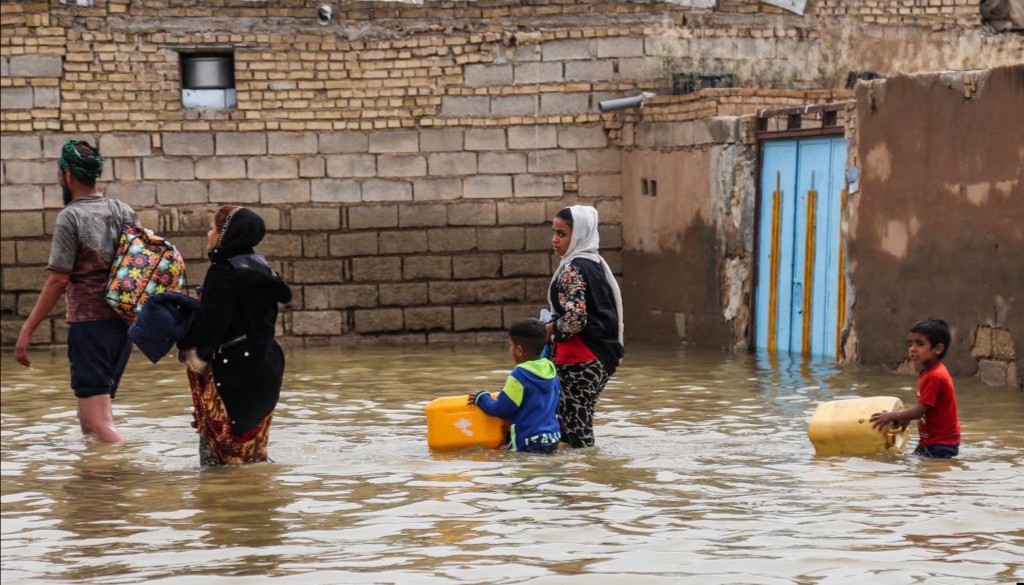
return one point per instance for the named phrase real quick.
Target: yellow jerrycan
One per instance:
(843, 427)
(453, 424)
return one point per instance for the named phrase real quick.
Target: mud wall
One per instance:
(937, 227)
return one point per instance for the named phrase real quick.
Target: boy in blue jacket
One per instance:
(530, 396)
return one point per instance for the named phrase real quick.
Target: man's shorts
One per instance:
(98, 352)
(938, 451)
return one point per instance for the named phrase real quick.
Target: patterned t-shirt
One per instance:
(84, 241)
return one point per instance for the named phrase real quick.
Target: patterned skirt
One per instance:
(210, 419)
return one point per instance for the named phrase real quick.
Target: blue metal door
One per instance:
(800, 297)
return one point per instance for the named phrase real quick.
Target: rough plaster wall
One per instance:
(937, 229)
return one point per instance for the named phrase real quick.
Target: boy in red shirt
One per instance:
(938, 424)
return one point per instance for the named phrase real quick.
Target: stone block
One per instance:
(512, 314)
(53, 143)
(395, 141)
(336, 191)
(589, 71)
(473, 318)
(18, 146)
(33, 251)
(476, 266)
(613, 47)
(36, 66)
(353, 244)
(377, 269)
(500, 238)
(343, 142)
(314, 218)
(610, 211)
(21, 224)
(403, 242)
(982, 343)
(314, 297)
(437, 189)
(317, 322)
(138, 195)
(533, 73)
(7, 256)
(181, 193)
(187, 143)
(10, 329)
(318, 271)
(485, 139)
(47, 98)
(487, 186)
(220, 168)
(453, 292)
(1002, 345)
(538, 186)
(521, 212)
(30, 172)
(285, 192)
(600, 186)
(403, 295)
(372, 216)
(465, 105)
(441, 140)
(515, 105)
(500, 290)
(352, 165)
(401, 166)
(125, 145)
(312, 167)
(385, 190)
(564, 103)
(429, 215)
(292, 143)
(608, 160)
(532, 137)
(638, 69)
(18, 98)
(24, 279)
(484, 213)
(565, 50)
(994, 372)
(527, 264)
(538, 238)
(272, 167)
(378, 320)
(233, 192)
(315, 245)
(501, 163)
(610, 236)
(536, 289)
(352, 295)
(427, 268)
(22, 197)
(552, 161)
(476, 75)
(169, 169)
(127, 169)
(241, 143)
(582, 137)
(282, 245)
(451, 239)
(452, 163)
(428, 319)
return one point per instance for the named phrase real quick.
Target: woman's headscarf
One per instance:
(584, 244)
(243, 230)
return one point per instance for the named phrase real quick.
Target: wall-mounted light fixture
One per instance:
(324, 12)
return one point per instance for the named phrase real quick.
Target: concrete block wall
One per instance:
(402, 236)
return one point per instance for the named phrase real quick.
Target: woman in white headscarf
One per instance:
(586, 324)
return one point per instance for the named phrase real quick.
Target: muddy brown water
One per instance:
(702, 474)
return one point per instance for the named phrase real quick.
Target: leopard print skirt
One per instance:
(581, 386)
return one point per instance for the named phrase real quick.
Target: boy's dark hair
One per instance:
(531, 334)
(565, 214)
(936, 330)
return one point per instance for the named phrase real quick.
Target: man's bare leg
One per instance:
(96, 415)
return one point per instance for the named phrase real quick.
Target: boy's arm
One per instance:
(880, 419)
(507, 402)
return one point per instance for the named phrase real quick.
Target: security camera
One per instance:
(323, 14)
(623, 103)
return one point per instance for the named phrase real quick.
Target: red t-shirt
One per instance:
(940, 425)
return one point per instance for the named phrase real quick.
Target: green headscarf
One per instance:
(86, 167)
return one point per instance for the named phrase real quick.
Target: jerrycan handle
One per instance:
(896, 437)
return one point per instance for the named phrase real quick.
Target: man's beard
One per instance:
(67, 195)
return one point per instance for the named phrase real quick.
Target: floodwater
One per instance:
(702, 474)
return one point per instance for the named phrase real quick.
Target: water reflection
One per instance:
(703, 473)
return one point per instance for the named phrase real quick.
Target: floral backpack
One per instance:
(144, 264)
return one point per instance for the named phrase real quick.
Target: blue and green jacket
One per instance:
(528, 401)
